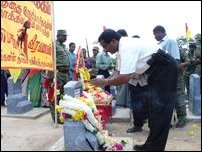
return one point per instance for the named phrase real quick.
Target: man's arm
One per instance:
(117, 79)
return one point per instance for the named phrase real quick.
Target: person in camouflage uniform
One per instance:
(180, 98)
(193, 56)
(94, 70)
(62, 60)
(62, 66)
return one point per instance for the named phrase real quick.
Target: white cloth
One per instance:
(117, 62)
(134, 54)
(140, 79)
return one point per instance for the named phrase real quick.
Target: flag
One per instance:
(76, 68)
(188, 33)
(32, 72)
(15, 73)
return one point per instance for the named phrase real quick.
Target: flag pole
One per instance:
(54, 60)
(87, 47)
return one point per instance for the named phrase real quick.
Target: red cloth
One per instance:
(48, 84)
(32, 72)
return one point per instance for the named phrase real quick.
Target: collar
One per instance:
(163, 39)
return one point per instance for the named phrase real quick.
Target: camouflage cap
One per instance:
(62, 32)
(198, 37)
(96, 48)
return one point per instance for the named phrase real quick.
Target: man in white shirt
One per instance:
(137, 57)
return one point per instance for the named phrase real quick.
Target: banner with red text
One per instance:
(26, 35)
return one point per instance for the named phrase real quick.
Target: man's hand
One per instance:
(99, 82)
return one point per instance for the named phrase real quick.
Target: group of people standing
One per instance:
(161, 67)
(153, 75)
(68, 60)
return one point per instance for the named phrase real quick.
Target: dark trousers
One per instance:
(106, 74)
(139, 103)
(162, 91)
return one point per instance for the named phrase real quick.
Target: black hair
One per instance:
(108, 35)
(72, 43)
(26, 23)
(122, 32)
(159, 28)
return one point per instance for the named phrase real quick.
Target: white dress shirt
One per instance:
(134, 54)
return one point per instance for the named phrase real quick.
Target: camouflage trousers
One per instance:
(180, 105)
(62, 78)
(186, 81)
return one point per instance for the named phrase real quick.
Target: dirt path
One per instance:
(40, 134)
(29, 134)
(180, 139)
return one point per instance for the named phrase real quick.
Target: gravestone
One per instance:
(76, 138)
(113, 107)
(73, 88)
(17, 102)
(195, 94)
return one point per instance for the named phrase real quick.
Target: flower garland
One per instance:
(78, 110)
(49, 85)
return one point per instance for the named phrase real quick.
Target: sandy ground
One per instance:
(40, 134)
(180, 139)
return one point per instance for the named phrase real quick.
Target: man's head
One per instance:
(84, 52)
(159, 32)
(95, 50)
(27, 24)
(198, 37)
(61, 35)
(109, 39)
(122, 32)
(72, 46)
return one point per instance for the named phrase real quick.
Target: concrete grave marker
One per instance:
(76, 138)
(195, 94)
(73, 88)
(17, 102)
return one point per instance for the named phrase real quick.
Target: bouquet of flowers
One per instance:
(79, 110)
(99, 96)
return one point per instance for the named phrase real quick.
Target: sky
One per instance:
(85, 19)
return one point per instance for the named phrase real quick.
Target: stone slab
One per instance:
(33, 114)
(59, 144)
(192, 117)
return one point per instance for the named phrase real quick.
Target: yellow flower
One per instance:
(59, 108)
(61, 119)
(79, 115)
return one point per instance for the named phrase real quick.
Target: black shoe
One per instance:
(140, 147)
(181, 124)
(134, 129)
